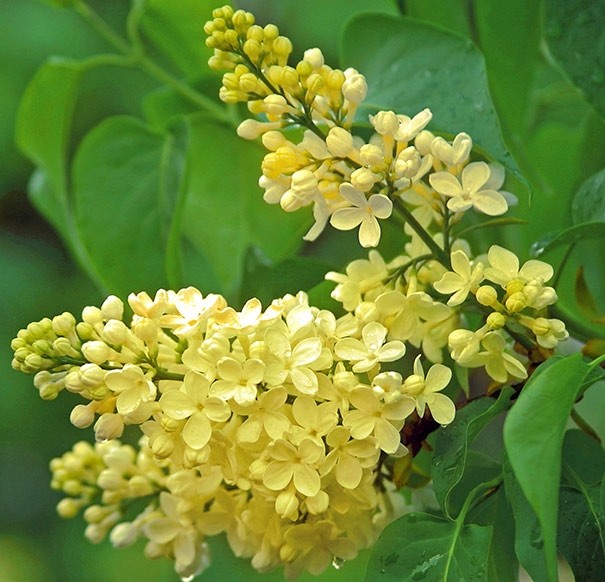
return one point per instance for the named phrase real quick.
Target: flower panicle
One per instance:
(278, 415)
(349, 183)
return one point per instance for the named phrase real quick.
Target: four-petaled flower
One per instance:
(469, 192)
(363, 212)
(372, 350)
(425, 391)
(462, 280)
(193, 403)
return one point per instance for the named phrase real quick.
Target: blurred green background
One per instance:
(555, 133)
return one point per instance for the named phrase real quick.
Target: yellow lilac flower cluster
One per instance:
(400, 296)
(270, 425)
(430, 181)
(277, 426)
(350, 182)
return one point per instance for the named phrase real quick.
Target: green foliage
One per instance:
(451, 457)
(402, 75)
(164, 194)
(575, 34)
(533, 437)
(419, 546)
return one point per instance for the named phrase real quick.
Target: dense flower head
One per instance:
(349, 182)
(251, 416)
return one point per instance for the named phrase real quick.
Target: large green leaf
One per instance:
(584, 456)
(581, 534)
(533, 438)
(581, 528)
(452, 15)
(509, 37)
(589, 202)
(575, 33)
(225, 566)
(223, 211)
(453, 442)
(410, 65)
(267, 280)
(313, 23)
(419, 546)
(496, 511)
(569, 236)
(177, 29)
(116, 185)
(529, 541)
(42, 132)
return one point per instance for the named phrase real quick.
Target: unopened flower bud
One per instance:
(68, 507)
(109, 426)
(64, 324)
(314, 57)
(423, 142)
(92, 315)
(139, 486)
(276, 105)
(385, 122)
(97, 352)
(282, 46)
(371, 155)
(110, 480)
(355, 88)
(516, 302)
(115, 332)
(339, 142)
(85, 331)
(486, 295)
(496, 320)
(81, 416)
(162, 446)
(124, 534)
(112, 308)
(62, 347)
(363, 179)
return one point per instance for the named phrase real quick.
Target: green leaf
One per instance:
(453, 442)
(509, 37)
(42, 132)
(404, 75)
(60, 3)
(163, 105)
(575, 33)
(584, 298)
(533, 438)
(581, 533)
(224, 213)
(313, 23)
(569, 236)
(116, 184)
(496, 511)
(177, 29)
(589, 202)
(584, 456)
(449, 14)
(529, 542)
(419, 546)
(266, 280)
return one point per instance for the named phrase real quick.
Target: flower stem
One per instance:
(137, 58)
(428, 240)
(584, 426)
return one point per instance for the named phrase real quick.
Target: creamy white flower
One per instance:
(363, 212)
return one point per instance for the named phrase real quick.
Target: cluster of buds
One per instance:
(271, 425)
(349, 182)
